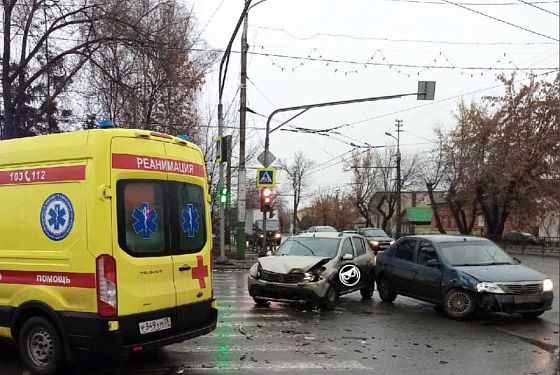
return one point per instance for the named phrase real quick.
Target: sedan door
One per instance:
(402, 266)
(427, 277)
(364, 260)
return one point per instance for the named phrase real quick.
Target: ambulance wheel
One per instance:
(40, 346)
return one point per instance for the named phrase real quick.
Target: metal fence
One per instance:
(544, 246)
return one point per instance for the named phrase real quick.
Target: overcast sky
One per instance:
(384, 34)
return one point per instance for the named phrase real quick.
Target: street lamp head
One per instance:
(389, 134)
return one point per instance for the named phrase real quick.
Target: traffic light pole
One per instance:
(264, 234)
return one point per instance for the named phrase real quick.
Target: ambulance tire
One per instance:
(40, 346)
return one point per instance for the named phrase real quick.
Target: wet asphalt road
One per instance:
(359, 337)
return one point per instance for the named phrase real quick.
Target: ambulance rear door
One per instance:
(144, 264)
(190, 232)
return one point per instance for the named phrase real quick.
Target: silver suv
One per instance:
(315, 269)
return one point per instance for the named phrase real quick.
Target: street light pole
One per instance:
(221, 82)
(426, 91)
(242, 174)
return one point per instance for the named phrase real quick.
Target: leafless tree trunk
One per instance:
(298, 174)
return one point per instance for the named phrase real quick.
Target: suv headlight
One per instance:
(277, 235)
(314, 275)
(489, 288)
(374, 243)
(547, 285)
(255, 271)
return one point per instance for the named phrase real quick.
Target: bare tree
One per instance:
(365, 179)
(386, 198)
(45, 45)
(502, 158)
(432, 172)
(151, 85)
(298, 175)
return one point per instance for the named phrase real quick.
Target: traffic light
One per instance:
(266, 200)
(224, 195)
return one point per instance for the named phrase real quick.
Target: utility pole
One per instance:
(221, 82)
(398, 126)
(242, 174)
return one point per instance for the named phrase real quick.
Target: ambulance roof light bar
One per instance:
(105, 124)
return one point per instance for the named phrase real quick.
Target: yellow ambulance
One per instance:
(105, 244)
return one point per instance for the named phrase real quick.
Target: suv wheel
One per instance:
(331, 298)
(459, 304)
(367, 291)
(40, 346)
(387, 292)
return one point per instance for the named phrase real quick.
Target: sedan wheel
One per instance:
(459, 304)
(386, 290)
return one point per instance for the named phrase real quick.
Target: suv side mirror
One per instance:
(347, 256)
(432, 263)
(517, 260)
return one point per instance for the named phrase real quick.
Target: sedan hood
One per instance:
(289, 263)
(503, 273)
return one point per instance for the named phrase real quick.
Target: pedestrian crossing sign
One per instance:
(266, 177)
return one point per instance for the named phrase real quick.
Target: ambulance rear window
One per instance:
(142, 217)
(187, 207)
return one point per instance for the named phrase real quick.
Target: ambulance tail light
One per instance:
(106, 286)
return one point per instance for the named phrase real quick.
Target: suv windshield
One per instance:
(309, 246)
(374, 233)
(270, 224)
(474, 253)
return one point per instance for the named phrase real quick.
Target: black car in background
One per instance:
(461, 274)
(377, 238)
(521, 238)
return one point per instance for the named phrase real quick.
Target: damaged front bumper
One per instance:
(516, 303)
(301, 292)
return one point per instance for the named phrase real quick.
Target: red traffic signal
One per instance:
(266, 200)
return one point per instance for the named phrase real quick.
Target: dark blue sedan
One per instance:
(463, 275)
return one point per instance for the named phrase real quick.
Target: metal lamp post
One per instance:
(426, 90)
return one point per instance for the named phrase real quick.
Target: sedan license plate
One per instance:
(527, 298)
(154, 325)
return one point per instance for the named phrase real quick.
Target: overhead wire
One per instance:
(538, 7)
(500, 20)
(353, 37)
(472, 4)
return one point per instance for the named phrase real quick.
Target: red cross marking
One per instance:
(200, 272)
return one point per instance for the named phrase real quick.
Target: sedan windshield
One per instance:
(375, 233)
(474, 253)
(309, 246)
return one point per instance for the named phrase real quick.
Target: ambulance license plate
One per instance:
(154, 325)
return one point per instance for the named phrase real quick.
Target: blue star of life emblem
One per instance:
(190, 217)
(145, 220)
(57, 216)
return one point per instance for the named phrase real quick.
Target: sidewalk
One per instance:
(233, 263)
